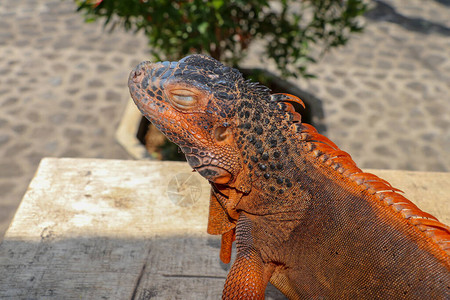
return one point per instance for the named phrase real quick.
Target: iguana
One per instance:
(303, 215)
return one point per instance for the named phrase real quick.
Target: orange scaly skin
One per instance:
(303, 215)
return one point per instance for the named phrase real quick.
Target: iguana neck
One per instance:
(287, 180)
(268, 143)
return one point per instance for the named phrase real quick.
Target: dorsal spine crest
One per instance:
(330, 155)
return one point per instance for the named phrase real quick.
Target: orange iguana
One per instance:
(303, 215)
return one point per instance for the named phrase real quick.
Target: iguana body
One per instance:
(303, 215)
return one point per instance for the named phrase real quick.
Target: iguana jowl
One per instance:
(304, 216)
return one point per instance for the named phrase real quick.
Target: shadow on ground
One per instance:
(383, 12)
(175, 267)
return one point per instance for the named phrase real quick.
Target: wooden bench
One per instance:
(110, 229)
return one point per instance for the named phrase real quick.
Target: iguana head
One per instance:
(220, 121)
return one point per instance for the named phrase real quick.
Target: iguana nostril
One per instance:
(136, 75)
(140, 70)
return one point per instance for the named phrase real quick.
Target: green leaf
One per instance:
(217, 4)
(226, 29)
(203, 27)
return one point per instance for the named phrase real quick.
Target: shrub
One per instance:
(287, 29)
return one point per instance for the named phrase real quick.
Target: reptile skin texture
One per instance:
(303, 215)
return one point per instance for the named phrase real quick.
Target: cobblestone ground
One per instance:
(386, 94)
(63, 89)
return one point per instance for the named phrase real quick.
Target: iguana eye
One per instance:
(183, 99)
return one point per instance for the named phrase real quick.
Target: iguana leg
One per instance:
(225, 247)
(248, 276)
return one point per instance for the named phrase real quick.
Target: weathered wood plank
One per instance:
(86, 228)
(93, 229)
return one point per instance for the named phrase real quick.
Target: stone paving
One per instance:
(63, 89)
(386, 94)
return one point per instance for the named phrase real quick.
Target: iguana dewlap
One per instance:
(304, 216)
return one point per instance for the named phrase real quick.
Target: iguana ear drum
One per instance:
(222, 133)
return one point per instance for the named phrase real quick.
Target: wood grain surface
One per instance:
(111, 229)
